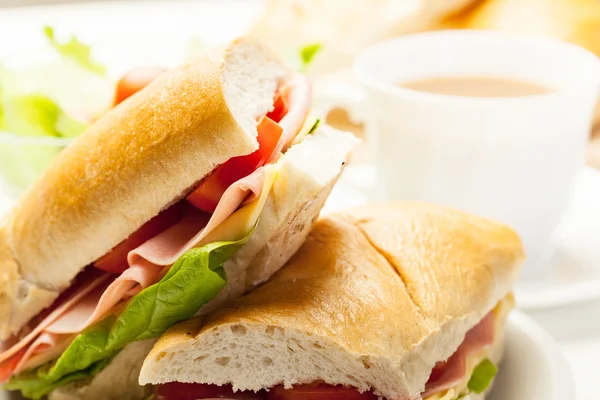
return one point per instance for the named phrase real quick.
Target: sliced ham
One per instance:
(46, 347)
(450, 373)
(77, 318)
(115, 261)
(447, 374)
(127, 285)
(147, 261)
(87, 284)
(298, 103)
(7, 367)
(167, 247)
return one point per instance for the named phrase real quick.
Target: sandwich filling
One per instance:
(164, 272)
(468, 370)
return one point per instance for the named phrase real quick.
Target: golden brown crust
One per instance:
(451, 262)
(386, 290)
(128, 166)
(335, 286)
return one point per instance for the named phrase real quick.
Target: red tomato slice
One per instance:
(207, 195)
(197, 391)
(280, 106)
(134, 81)
(116, 260)
(8, 366)
(318, 391)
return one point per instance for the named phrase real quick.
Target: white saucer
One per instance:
(572, 274)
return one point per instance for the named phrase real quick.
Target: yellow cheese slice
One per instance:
(309, 122)
(449, 394)
(238, 224)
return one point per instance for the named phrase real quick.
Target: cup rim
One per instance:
(49, 141)
(361, 69)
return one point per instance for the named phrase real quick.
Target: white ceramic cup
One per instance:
(512, 159)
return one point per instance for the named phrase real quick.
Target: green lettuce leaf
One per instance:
(315, 126)
(87, 348)
(483, 374)
(1, 97)
(195, 279)
(33, 115)
(307, 54)
(37, 115)
(35, 384)
(68, 127)
(75, 50)
(21, 162)
(33, 102)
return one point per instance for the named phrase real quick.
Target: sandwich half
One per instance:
(394, 301)
(190, 192)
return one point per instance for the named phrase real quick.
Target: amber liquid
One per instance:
(476, 86)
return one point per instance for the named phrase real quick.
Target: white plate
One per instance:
(572, 273)
(533, 367)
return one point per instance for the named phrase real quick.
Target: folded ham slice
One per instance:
(298, 99)
(451, 373)
(42, 342)
(147, 261)
(56, 337)
(92, 280)
(46, 347)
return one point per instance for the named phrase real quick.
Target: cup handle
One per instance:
(356, 184)
(350, 97)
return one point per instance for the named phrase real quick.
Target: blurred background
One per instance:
(94, 43)
(65, 63)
